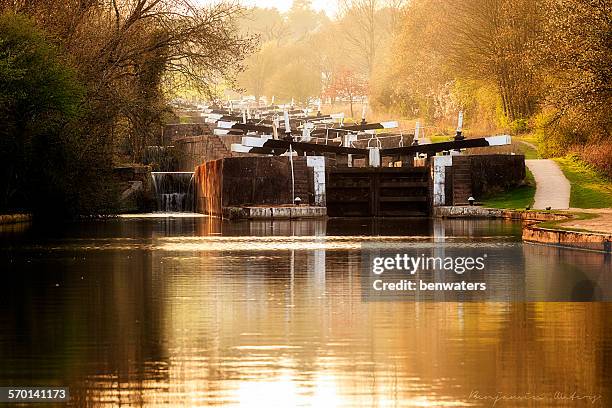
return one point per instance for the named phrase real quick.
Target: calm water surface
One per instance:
(199, 312)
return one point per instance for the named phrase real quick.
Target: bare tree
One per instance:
(358, 20)
(126, 50)
(366, 25)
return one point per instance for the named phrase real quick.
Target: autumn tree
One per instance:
(292, 79)
(576, 60)
(268, 25)
(415, 80)
(490, 40)
(347, 85)
(302, 20)
(365, 26)
(260, 68)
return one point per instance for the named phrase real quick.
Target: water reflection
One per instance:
(202, 312)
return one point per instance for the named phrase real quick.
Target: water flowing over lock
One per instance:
(174, 191)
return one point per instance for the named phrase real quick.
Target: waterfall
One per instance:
(174, 190)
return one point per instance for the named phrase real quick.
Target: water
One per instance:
(198, 312)
(174, 191)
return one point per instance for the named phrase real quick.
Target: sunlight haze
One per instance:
(330, 7)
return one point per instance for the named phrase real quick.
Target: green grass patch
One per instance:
(529, 152)
(527, 148)
(439, 139)
(589, 188)
(518, 198)
(558, 224)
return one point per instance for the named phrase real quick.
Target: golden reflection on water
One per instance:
(277, 320)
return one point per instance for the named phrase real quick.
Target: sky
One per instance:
(330, 7)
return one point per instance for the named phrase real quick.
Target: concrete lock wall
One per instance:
(255, 181)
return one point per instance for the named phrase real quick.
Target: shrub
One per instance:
(519, 126)
(557, 134)
(48, 163)
(598, 156)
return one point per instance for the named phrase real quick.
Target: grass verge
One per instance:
(528, 151)
(589, 189)
(518, 198)
(558, 224)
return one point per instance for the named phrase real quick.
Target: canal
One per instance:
(163, 312)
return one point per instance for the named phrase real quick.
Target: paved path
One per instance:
(602, 223)
(552, 188)
(534, 147)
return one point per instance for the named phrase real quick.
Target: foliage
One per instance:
(413, 78)
(293, 82)
(306, 45)
(262, 66)
(598, 156)
(589, 188)
(576, 58)
(519, 126)
(44, 164)
(346, 85)
(365, 25)
(129, 56)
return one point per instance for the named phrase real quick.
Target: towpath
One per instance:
(552, 188)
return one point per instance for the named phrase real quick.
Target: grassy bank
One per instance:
(517, 198)
(527, 146)
(589, 189)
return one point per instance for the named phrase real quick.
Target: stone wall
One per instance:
(591, 241)
(196, 150)
(175, 131)
(568, 239)
(136, 189)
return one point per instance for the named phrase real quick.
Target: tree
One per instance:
(347, 84)
(267, 24)
(361, 29)
(293, 80)
(116, 45)
(415, 80)
(39, 96)
(302, 20)
(489, 40)
(575, 56)
(260, 68)
(366, 25)
(129, 56)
